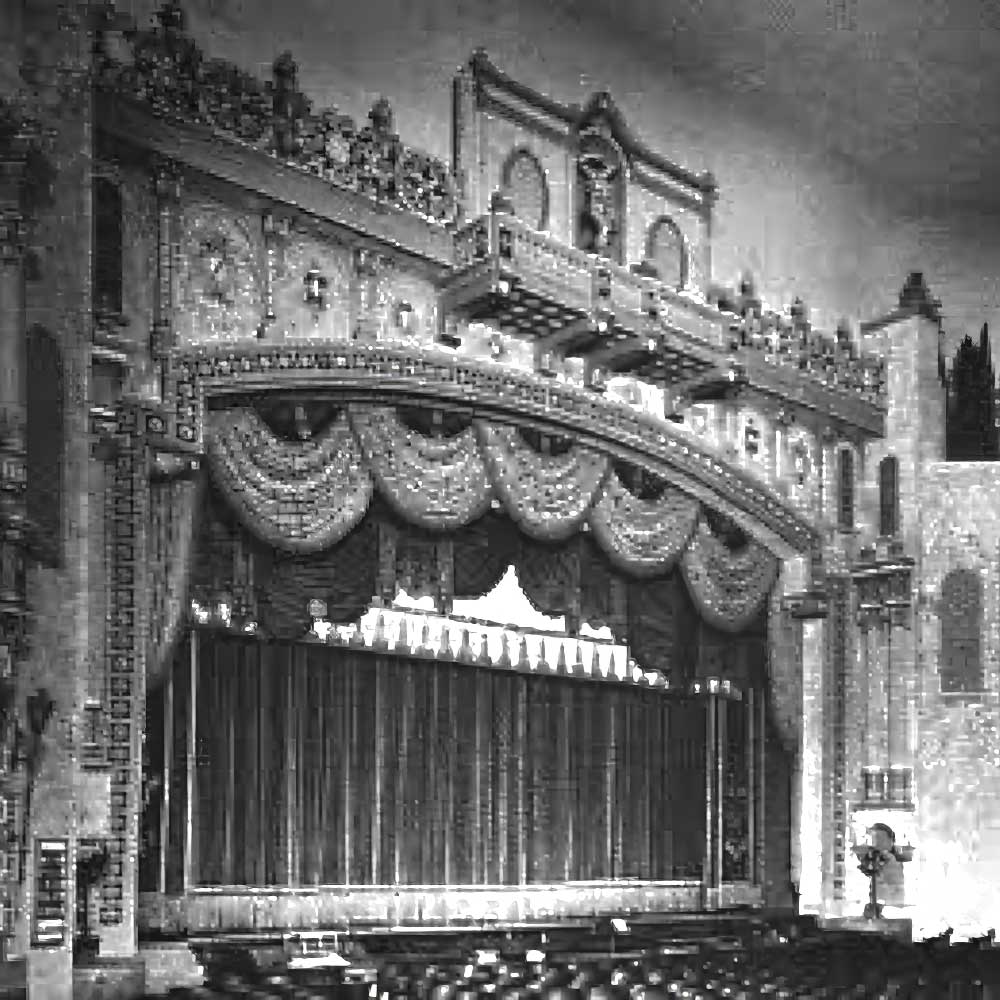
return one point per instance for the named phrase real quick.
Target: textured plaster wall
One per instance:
(957, 774)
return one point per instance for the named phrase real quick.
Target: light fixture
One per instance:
(875, 852)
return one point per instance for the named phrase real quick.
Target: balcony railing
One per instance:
(768, 347)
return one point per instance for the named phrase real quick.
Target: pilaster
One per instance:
(167, 187)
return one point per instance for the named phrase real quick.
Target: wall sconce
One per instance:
(315, 288)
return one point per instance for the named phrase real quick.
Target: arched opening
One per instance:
(888, 496)
(845, 490)
(524, 184)
(666, 251)
(961, 614)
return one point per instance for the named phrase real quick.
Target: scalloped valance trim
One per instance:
(305, 497)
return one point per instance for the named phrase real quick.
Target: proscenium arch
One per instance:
(393, 375)
(665, 223)
(518, 156)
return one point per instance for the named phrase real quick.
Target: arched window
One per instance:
(44, 443)
(961, 614)
(845, 490)
(107, 245)
(524, 183)
(888, 496)
(665, 250)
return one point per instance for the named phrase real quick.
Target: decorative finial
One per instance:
(917, 298)
(285, 69)
(171, 17)
(381, 117)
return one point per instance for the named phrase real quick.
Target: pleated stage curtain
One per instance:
(326, 766)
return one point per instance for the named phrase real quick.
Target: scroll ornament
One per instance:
(305, 497)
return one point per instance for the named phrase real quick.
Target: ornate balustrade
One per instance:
(170, 75)
(833, 362)
(626, 320)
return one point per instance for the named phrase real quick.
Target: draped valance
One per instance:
(303, 497)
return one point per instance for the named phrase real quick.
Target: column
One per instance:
(12, 302)
(127, 631)
(167, 187)
(809, 778)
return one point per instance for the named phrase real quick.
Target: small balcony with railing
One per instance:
(625, 321)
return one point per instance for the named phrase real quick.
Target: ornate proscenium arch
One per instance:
(406, 374)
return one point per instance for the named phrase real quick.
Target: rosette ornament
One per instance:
(297, 496)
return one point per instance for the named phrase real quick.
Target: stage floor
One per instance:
(254, 910)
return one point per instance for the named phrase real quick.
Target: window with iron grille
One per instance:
(666, 251)
(524, 183)
(888, 496)
(845, 491)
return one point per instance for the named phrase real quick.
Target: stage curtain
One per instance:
(438, 483)
(299, 496)
(326, 766)
(343, 576)
(547, 496)
(483, 551)
(176, 508)
(303, 497)
(549, 575)
(729, 587)
(643, 537)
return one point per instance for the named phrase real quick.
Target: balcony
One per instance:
(624, 321)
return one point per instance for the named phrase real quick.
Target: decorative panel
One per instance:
(294, 256)
(220, 279)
